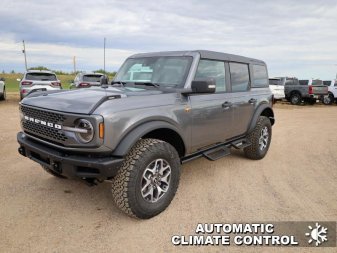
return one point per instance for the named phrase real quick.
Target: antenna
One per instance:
(104, 55)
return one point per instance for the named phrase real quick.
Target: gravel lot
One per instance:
(295, 182)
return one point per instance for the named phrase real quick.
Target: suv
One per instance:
(138, 133)
(2, 89)
(332, 87)
(86, 80)
(304, 90)
(37, 80)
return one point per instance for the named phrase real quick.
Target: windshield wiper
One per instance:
(148, 84)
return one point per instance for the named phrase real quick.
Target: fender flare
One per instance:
(257, 114)
(130, 139)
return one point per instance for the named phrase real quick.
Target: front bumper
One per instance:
(70, 165)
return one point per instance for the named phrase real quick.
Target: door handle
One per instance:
(252, 101)
(226, 105)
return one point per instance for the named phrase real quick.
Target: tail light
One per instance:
(84, 85)
(58, 84)
(23, 91)
(26, 83)
(310, 89)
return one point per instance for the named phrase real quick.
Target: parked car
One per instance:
(2, 89)
(304, 90)
(86, 80)
(194, 104)
(332, 88)
(37, 80)
(276, 86)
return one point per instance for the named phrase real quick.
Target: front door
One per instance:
(212, 114)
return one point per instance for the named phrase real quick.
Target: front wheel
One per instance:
(148, 179)
(260, 139)
(328, 100)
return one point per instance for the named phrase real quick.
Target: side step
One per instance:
(217, 153)
(243, 143)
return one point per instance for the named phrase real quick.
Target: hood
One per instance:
(81, 101)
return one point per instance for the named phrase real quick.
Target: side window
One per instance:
(239, 76)
(336, 84)
(212, 69)
(260, 76)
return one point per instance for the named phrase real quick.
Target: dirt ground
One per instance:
(297, 181)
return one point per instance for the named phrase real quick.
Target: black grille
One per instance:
(43, 115)
(42, 130)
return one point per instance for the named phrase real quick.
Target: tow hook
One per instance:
(21, 151)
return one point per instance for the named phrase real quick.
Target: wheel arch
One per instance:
(262, 110)
(156, 130)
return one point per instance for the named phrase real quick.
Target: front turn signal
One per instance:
(101, 130)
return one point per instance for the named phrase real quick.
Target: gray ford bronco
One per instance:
(161, 110)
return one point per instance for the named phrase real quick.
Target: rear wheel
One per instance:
(148, 179)
(295, 99)
(260, 139)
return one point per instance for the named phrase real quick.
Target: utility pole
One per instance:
(104, 55)
(24, 52)
(74, 63)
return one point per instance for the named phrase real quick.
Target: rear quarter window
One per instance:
(260, 76)
(239, 73)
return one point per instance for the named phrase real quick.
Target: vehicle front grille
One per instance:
(41, 130)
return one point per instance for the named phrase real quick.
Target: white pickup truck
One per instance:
(332, 86)
(2, 89)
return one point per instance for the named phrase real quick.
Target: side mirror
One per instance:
(104, 80)
(203, 86)
(19, 80)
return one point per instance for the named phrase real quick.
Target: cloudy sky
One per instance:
(295, 38)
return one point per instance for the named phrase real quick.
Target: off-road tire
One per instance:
(295, 99)
(49, 171)
(3, 96)
(126, 185)
(253, 151)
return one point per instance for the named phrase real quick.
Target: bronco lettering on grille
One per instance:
(42, 122)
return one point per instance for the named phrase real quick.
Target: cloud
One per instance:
(288, 35)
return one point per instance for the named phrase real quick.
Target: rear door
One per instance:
(243, 100)
(212, 113)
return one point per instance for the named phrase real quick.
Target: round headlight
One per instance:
(87, 135)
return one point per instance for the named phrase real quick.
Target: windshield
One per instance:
(92, 78)
(165, 71)
(40, 77)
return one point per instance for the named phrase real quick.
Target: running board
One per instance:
(217, 153)
(241, 144)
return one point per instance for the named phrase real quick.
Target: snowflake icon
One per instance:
(317, 234)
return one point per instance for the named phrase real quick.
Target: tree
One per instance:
(39, 68)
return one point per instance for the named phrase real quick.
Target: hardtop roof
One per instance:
(212, 55)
